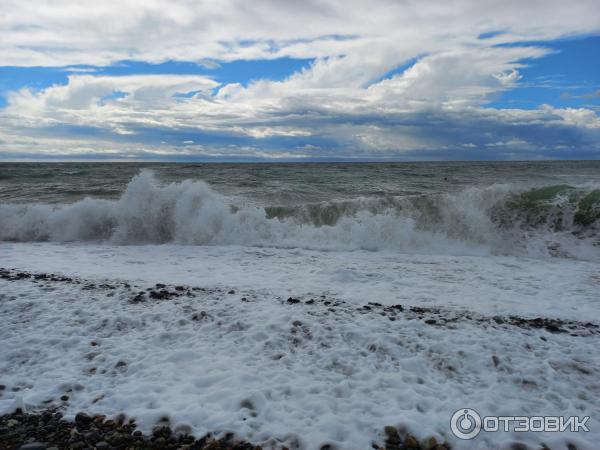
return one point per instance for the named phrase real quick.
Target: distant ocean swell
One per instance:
(557, 220)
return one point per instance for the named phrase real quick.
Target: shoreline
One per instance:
(433, 316)
(49, 430)
(109, 331)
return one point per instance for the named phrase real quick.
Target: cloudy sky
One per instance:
(290, 80)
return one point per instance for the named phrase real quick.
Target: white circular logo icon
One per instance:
(465, 423)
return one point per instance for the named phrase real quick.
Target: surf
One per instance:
(554, 220)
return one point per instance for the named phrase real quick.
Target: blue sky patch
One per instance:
(396, 70)
(568, 77)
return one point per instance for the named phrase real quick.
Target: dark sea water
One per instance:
(284, 183)
(554, 206)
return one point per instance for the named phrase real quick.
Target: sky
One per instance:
(232, 80)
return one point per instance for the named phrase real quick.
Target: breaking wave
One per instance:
(557, 220)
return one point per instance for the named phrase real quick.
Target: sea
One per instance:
(530, 208)
(305, 305)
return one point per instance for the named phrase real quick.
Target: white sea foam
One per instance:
(300, 375)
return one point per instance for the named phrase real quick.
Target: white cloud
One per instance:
(114, 102)
(85, 91)
(64, 32)
(343, 99)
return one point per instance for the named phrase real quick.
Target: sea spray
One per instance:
(557, 220)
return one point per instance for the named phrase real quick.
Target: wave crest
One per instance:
(501, 219)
